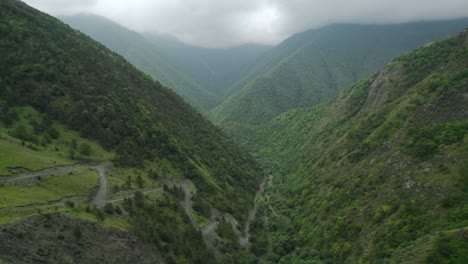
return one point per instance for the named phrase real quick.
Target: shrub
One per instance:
(109, 208)
(85, 149)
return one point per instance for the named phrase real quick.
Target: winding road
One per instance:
(244, 240)
(209, 231)
(44, 173)
(101, 198)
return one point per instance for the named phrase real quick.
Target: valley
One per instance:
(341, 144)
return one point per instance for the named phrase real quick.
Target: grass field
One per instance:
(78, 183)
(78, 211)
(13, 154)
(44, 152)
(109, 220)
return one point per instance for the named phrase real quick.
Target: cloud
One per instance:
(62, 7)
(300, 15)
(219, 23)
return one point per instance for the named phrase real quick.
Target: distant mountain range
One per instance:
(251, 84)
(358, 141)
(313, 66)
(200, 75)
(69, 104)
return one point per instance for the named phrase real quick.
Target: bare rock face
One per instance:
(61, 239)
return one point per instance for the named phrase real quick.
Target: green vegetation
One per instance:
(112, 103)
(24, 152)
(165, 224)
(450, 248)
(50, 189)
(377, 175)
(201, 76)
(145, 56)
(426, 141)
(22, 156)
(68, 99)
(311, 67)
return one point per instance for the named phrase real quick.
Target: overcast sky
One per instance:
(221, 23)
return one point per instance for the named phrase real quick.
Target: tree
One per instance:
(100, 216)
(73, 144)
(128, 182)
(153, 174)
(118, 210)
(77, 232)
(85, 149)
(128, 204)
(140, 182)
(109, 208)
(71, 154)
(139, 199)
(53, 132)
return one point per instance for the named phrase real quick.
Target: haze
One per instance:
(216, 23)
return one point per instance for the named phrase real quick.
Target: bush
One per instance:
(53, 133)
(77, 232)
(426, 141)
(118, 210)
(109, 208)
(85, 149)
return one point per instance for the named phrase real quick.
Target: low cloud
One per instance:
(216, 23)
(63, 7)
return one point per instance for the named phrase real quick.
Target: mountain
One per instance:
(216, 69)
(89, 136)
(145, 56)
(200, 75)
(313, 66)
(376, 175)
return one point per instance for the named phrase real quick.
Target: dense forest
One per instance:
(311, 67)
(145, 56)
(71, 80)
(327, 161)
(377, 175)
(202, 76)
(80, 83)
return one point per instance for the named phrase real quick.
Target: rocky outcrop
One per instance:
(61, 239)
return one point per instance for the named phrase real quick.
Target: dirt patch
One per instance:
(55, 239)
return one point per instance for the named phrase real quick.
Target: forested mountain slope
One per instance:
(59, 87)
(202, 76)
(377, 175)
(217, 69)
(146, 56)
(315, 65)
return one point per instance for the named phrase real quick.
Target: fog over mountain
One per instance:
(214, 23)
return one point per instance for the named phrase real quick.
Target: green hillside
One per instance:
(377, 175)
(70, 108)
(202, 76)
(145, 56)
(311, 67)
(217, 69)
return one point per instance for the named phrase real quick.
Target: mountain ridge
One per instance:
(145, 56)
(313, 66)
(186, 69)
(66, 98)
(375, 174)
